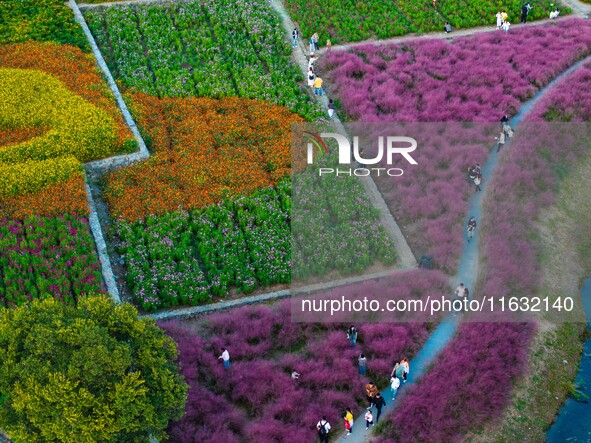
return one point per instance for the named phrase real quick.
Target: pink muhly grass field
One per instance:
(256, 400)
(476, 79)
(471, 381)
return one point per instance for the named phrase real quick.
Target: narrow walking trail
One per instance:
(407, 260)
(467, 274)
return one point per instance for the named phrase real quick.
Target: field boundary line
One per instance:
(403, 250)
(107, 163)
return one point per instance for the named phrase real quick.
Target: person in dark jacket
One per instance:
(379, 403)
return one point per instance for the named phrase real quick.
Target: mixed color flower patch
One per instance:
(42, 257)
(202, 48)
(245, 243)
(204, 149)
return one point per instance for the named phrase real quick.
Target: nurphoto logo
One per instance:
(387, 146)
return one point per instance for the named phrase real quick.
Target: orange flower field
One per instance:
(75, 69)
(204, 150)
(67, 197)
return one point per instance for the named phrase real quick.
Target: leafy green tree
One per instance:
(91, 373)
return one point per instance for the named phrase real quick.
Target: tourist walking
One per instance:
(312, 46)
(352, 335)
(347, 424)
(447, 28)
(460, 294)
(554, 14)
(506, 26)
(368, 419)
(225, 357)
(323, 427)
(500, 140)
(504, 16)
(318, 86)
(371, 390)
(471, 228)
(328, 45)
(312, 60)
(499, 20)
(477, 181)
(311, 77)
(349, 418)
(524, 12)
(362, 361)
(523, 18)
(330, 108)
(394, 385)
(379, 403)
(405, 369)
(397, 371)
(295, 35)
(315, 39)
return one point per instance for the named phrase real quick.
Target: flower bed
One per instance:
(40, 20)
(34, 98)
(569, 103)
(351, 20)
(491, 357)
(204, 149)
(256, 396)
(203, 48)
(64, 197)
(77, 71)
(436, 81)
(46, 257)
(183, 258)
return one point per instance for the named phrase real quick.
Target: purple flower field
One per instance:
(476, 79)
(489, 358)
(256, 399)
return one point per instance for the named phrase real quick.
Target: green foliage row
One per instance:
(355, 20)
(206, 48)
(247, 243)
(40, 20)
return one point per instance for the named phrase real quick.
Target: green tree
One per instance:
(91, 373)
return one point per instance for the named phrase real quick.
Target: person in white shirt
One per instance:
(368, 419)
(394, 385)
(554, 14)
(506, 25)
(311, 62)
(225, 357)
(323, 427)
(460, 291)
(499, 17)
(295, 375)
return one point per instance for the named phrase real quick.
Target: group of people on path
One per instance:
(373, 395)
(502, 22)
(314, 81)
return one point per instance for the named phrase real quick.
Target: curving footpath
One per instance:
(467, 273)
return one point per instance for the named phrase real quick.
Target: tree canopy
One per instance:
(95, 372)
